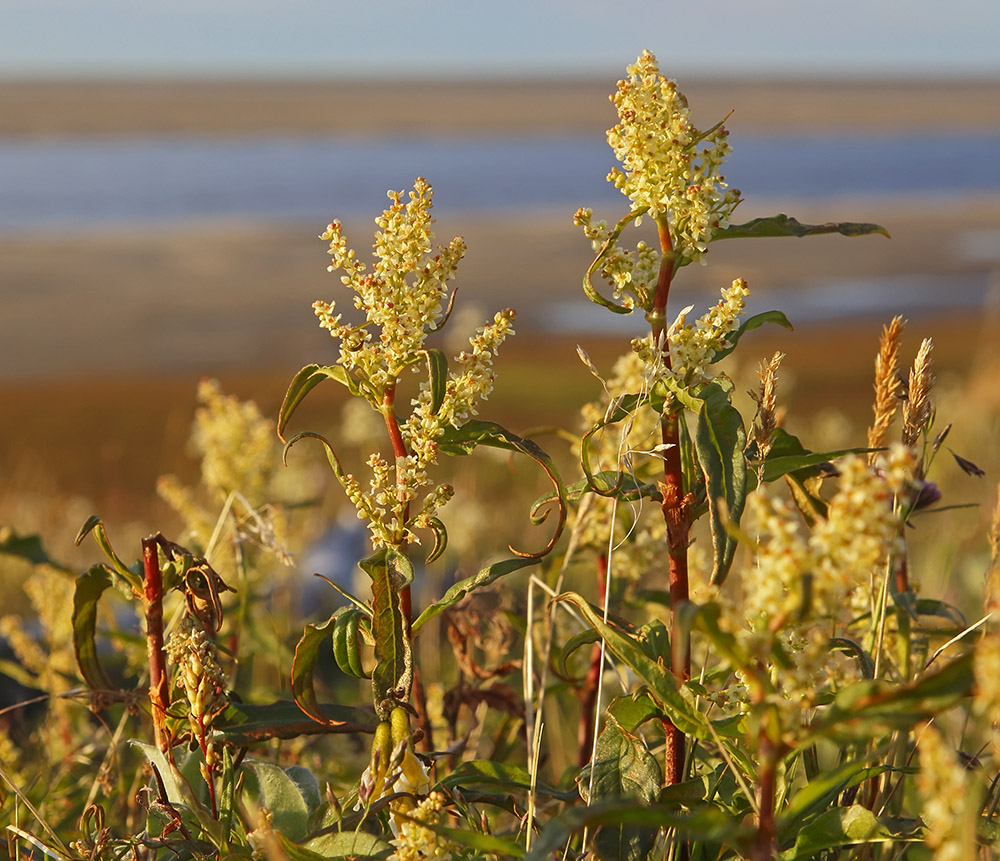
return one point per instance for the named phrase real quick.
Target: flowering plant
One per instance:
(790, 692)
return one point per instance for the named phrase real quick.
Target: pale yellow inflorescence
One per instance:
(949, 804)
(402, 299)
(668, 165)
(801, 588)
(694, 346)
(415, 841)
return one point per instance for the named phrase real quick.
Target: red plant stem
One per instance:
(405, 595)
(588, 693)
(675, 511)
(764, 845)
(152, 599)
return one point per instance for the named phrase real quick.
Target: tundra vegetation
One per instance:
(705, 639)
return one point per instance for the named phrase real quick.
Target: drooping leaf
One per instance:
(303, 665)
(440, 539)
(719, 442)
(89, 587)
(609, 244)
(788, 455)
(305, 381)
(437, 375)
(246, 723)
(784, 225)
(392, 678)
(347, 641)
(462, 588)
(464, 440)
(622, 767)
(267, 785)
(748, 325)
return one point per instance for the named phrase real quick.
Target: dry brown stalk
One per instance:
(992, 596)
(887, 384)
(917, 408)
(767, 419)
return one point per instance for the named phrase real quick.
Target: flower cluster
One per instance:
(415, 841)
(800, 588)
(949, 807)
(663, 170)
(402, 300)
(200, 678)
(694, 346)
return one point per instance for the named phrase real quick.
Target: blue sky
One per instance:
(474, 38)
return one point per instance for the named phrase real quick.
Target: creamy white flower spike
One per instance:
(668, 165)
(403, 300)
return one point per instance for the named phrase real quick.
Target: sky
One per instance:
(476, 38)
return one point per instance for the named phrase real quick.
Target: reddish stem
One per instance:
(405, 595)
(675, 509)
(152, 599)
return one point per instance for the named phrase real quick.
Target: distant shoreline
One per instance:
(53, 107)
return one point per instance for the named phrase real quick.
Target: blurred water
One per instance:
(68, 185)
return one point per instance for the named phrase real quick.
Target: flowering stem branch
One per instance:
(674, 507)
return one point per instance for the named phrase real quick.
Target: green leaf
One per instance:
(347, 643)
(462, 588)
(303, 664)
(437, 375)
(245, 723)
(788, 455)
(349, 844)
(464, 440)
(622, 767)
(498, 846)
(88, 590)
(392, 677)
(818, 794)
(633, 711)
(304, 382)
(131, 578)
(865, 708)
(440, 539)
(847, 826)
(266, 785)
(678, 703)
(784, 225)
(719, 441)
(183, 784)
(748, 325)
